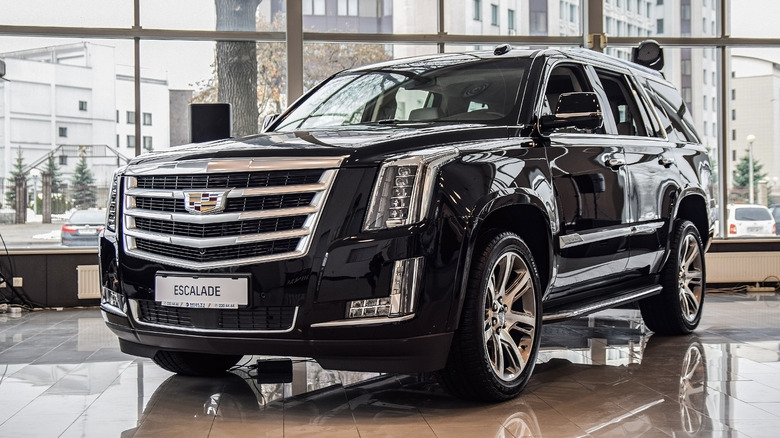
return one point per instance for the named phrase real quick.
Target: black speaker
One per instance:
(210, 121)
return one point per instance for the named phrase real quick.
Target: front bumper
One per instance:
(406, 354)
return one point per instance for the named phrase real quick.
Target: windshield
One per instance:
(479, 91)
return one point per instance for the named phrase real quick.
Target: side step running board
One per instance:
(574, 310)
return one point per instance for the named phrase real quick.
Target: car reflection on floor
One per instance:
(603, 375)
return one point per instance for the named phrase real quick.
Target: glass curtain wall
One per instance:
(86, 92)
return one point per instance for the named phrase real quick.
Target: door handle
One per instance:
(615, 162)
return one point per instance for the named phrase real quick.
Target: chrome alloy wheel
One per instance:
(510, 316)
(690, 278)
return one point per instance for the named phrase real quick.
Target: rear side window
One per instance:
(671, 109)
(752, 214)
(622, 103)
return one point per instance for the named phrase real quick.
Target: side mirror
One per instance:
(2, 70)
(268, 120)
(574, 110)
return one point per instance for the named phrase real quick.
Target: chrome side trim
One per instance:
(359, 322)
(134, 315)
(576, 239)
(601, 305)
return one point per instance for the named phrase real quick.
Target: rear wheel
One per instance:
(494, 350)
(677, 309)
(195, 364)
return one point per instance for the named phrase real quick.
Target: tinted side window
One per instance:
(672, 111)
(563, 79)
(625, 112)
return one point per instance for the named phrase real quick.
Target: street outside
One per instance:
(33, 234)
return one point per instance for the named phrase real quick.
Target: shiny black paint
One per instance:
(543, 187)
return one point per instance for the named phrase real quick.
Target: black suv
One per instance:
(423, 214)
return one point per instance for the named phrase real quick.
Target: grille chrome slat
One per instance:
(235, 193)
(215, 241)
(269, 213)
(226, 217)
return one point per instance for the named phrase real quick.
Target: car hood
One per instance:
(361, 146)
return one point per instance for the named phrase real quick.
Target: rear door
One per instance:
(650, 165)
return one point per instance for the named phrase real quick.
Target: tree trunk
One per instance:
(237, 64)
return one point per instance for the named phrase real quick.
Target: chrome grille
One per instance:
(226, 180)
(248, 210)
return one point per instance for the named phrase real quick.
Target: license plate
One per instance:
(201, 291)
(754, 229)
(88, 231)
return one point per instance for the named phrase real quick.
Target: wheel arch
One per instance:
(693, 207)
(522, 215)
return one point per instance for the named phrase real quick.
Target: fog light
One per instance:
(405, 286)
(368, 308)
(112, 300)
(402, 301)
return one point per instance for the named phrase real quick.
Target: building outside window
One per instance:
(538, 17)
(82, 105)
(494, 15)
(147, 143)
(313, 7)
(348, 8)
(63, 131)
(147, 119)
(131, 117)
(510, 19)
(478, 10)
(131, 141)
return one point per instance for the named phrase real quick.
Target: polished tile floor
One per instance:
(62, 374)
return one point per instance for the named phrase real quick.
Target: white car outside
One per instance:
(750, 220)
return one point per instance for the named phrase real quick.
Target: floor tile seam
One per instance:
(427, 423)
(772, 389)
(17, 411)
(53, 348)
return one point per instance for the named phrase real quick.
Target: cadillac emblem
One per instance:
(200, 202)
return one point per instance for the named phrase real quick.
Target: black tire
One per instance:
(195, 364)
(677, 309)
(494, 350)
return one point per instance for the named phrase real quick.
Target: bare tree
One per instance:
(237, 64)
(270, 67)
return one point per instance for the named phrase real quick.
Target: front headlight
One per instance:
(113, 201)
(404, 188)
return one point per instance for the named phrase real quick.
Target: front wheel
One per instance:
(195, 364)
(677, 309)
(494, 350)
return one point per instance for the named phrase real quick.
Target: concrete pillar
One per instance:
(21, 200)
(46, 193)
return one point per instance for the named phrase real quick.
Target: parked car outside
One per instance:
(750, 220)
(83, 228)
(423, 214)
(775, 209)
